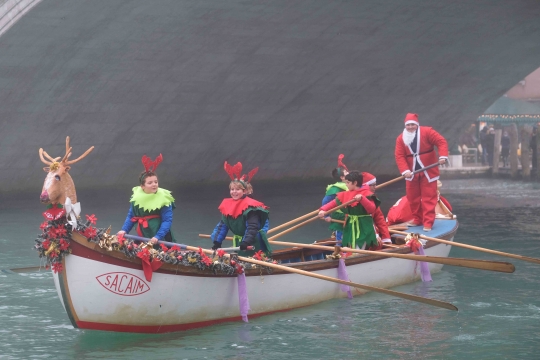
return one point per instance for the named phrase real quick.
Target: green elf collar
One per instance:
(150, 202)
(340, 185)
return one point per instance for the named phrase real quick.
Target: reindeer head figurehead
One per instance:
(58, 184)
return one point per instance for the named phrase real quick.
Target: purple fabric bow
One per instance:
(342, 275)
(424, 268)
(243, 296)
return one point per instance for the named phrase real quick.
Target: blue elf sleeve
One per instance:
(266, 226)
(128, 224)
(166, 222)
(328, 198)
(219, 233)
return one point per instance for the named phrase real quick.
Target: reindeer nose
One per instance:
(44, 197)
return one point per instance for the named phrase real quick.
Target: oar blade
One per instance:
(23, 270)
(499, 266)
(421, 299)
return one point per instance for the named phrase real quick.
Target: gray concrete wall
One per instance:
(284, 85)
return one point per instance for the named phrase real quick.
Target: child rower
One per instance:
(370, 182)
(241, 214)
(358, 230)
(151, 206)
(332, 190)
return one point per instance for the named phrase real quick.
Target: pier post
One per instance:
(512, 132)
(496, 151)
(526, 132)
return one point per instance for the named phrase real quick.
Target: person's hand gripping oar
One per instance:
(403, 176)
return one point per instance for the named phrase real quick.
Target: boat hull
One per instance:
(104, 292)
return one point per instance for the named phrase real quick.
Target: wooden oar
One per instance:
(303, 217)
(467, 263)
(23, 269)
(421, 299)
(310, 220)
(438, 303)
(292, 222)
(471, 247)
(403, 177)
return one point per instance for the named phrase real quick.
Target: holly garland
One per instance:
(54, 243)
(217, 262)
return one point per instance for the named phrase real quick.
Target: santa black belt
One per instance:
(422, 153)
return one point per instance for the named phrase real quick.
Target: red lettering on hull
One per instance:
(122, 283)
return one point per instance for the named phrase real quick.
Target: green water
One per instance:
(499, 314)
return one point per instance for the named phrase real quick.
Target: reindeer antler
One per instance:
(340, 162)
(233, 171)
(251, 174)
(237, 169)
(68, 154)
(158, 161)
(229, 169)
(150, 165)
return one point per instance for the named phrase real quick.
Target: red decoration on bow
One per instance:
(201, 252)
(52, 233)
(90, 232)
(259, 255)
(61, 231)
(150, 165)
(340, 162)
(57, 267)
(174, 248)
(55, 212)
(206, 260)
(92, 218)
(149, 266)
(220, 252)
(164, 247)
(239, 268)
(121, 239)
(64, 245)
(46, 244)
(43, 225)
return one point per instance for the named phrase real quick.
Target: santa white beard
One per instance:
(408, 137)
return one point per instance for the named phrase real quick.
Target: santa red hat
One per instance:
(368, 178)
(411, 119)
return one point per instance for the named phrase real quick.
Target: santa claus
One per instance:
(415, 149)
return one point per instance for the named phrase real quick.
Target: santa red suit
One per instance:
(400, 212)
(419, 153)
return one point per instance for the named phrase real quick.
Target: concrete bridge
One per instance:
(284, 85)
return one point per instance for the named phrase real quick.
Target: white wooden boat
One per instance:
(106, 290)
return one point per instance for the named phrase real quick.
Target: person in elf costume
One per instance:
(370, 182)
(332, 190)
(244, 216)
(358, 229)
(249, 192)
(151, 206)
